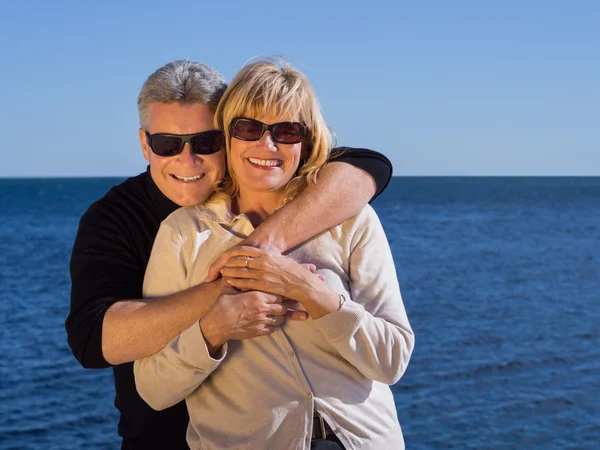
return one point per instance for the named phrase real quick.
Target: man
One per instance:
(109, 323)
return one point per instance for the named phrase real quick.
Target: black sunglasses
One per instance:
(281, 132)
(205, 143)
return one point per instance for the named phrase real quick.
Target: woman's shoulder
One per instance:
(216, 209)
(365, 218)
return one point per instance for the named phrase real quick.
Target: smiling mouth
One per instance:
(265, 162)
(188, 179)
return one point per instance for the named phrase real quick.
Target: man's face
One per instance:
(187, 178)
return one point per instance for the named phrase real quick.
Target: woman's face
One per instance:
(264, 165)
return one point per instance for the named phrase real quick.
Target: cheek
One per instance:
(218, 163)
(235, 153)
(157, 163)
(222, 164)
(297, 155)
(236, 150)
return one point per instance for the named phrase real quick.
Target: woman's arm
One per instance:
(371, 330)
(170, 375)
(342, 190)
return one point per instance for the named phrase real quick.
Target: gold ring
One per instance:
(246, 261)
(273, 320)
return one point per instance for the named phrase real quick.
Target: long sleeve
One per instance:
(374, 163)
(104, 269)
(169, 376)
(371, 331)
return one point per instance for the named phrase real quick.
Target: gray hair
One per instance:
(182, 81)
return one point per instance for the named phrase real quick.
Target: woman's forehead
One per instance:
(275, 113)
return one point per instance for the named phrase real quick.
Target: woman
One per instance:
(265, 392)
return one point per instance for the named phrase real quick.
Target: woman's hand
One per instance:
(269, 271)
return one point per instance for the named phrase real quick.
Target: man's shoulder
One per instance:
(119, 200)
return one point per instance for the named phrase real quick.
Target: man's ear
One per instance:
(144, 144)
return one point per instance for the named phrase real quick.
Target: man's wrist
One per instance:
(214, 341)
(268, 242)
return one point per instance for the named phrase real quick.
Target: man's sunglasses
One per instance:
(205, 143)
(281, 132)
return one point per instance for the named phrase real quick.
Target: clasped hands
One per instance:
(259, 290)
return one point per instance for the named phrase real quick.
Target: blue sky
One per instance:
(441, 88)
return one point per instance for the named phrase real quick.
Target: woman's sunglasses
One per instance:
(281, 132)
(205, 143)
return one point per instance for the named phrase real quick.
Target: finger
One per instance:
(253, 285)
(237, 262)
(274, 321)
(273, 299)
(214, 271)
(310, 267)
(265, 330)
(239, 272)
(291, 304)
(296, 315)
(244, 250)
(275, 309)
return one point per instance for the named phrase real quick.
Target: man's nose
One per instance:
(188, 157)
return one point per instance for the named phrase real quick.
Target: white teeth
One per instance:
(197, 177)
(266, 163)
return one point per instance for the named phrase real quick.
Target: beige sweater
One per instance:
(260, 393)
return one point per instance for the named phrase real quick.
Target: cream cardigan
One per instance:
(260, 393)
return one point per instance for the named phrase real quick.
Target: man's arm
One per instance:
(109, 323)
(344, 186)
(341, 192)
(374, 163)
(134, 329)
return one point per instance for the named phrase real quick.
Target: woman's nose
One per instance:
(268, 141)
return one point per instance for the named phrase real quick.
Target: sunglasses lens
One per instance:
(288, 132)
(247, 129)
(166, 145)
(207, 143)
(252, 130)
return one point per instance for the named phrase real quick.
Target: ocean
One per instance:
(500, 279)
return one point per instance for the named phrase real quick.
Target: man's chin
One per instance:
(193, 202)
(192, 199)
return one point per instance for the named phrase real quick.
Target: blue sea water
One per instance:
(500, 278)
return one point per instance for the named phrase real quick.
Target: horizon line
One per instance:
(79, 177)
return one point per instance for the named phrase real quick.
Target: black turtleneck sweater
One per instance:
(109, 259)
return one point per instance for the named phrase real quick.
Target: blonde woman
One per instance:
(319, 383)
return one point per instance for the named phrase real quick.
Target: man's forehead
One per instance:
(183, 109)
(179, 118)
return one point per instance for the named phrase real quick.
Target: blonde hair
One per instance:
(268, 88)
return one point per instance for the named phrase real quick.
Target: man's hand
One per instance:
(242, 315)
